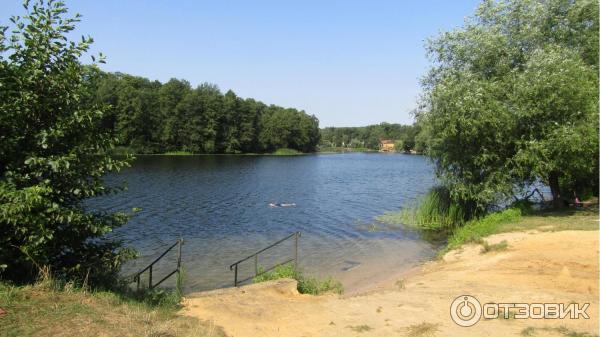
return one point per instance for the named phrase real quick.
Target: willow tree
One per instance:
(53, 154)
(512, 98)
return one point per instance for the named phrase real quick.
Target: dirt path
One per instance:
(545, 267)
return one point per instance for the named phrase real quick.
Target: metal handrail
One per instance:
(295, 235)
(136, 277)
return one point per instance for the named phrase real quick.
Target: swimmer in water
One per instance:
(282, 205)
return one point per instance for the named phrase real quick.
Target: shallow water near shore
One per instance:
(220, 206)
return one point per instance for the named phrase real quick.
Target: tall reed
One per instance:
(436, 211)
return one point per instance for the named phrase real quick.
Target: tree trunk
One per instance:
(557, 202)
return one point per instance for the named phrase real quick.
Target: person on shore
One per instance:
(578, 203)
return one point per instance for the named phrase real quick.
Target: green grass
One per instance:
(422, 330)
(520, 218)
(432, 212)
(286, 152)
(475, 230)
(50, 309)
(178, 153)
(531, 331)
(306, 285)
(330, 149)
(487, 248)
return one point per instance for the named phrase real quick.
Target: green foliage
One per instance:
(475, 230)
(512, 99)
(313, 286)
(368, 137)
(435, 211)
(178, 153)
(172, 117)
(279, 272)
(54, 153)
(306, 285)
(286, 152)
(399, 146)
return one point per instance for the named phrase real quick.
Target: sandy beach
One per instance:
(537, 267)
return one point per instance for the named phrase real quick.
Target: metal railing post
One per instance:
(180, 241)
(257, 272)
(149, 268)
(255, 265)
(235, 276)
(296, 253)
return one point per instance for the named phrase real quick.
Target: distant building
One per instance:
(386, 145)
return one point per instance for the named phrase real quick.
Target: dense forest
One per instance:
(153, 117)
(368, 137)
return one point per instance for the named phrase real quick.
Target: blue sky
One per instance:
(350, 63)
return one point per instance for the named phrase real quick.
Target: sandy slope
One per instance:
(537, 267)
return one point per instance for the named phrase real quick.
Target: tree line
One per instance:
(368, 137)
(153, 117)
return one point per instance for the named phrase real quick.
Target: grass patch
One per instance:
(433, 212)
(330, 149)
(306, 285)
(178, 153)
(531, 331)
(552, 220)
(49, 309)
(286, 152)
(422, 330)
(475, 230)
(487, 248)
(359, 328)
(438, 226)
(515, 219)
(395, 218)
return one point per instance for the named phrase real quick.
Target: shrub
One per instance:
(286, 152)
(306, 285)
(54, 154)
(434, 211)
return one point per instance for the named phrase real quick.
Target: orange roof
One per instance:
(386, 141)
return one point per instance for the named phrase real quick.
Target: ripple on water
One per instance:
(219, 205)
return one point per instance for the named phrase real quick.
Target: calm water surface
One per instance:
(220, 206)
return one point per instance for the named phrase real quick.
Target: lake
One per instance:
(220, 206)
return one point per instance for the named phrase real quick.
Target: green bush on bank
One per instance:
(178, 153)
(286, 152)
(475, 230)
(437, 213)
(306, 285)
